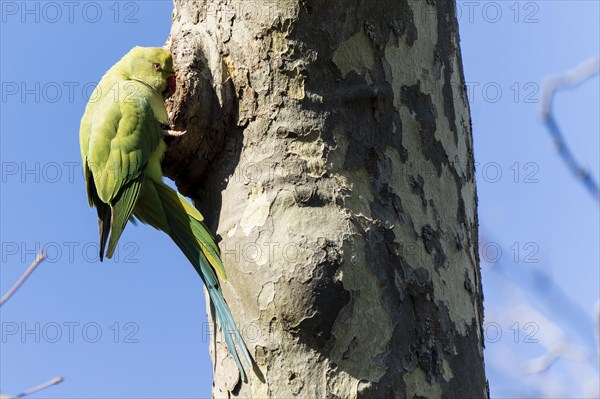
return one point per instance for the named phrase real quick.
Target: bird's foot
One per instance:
(173, 133)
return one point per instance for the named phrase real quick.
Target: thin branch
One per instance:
(40, 257)
(533, 294)
(551, 85)
(572, 78)
(57, 380)
(48, 384)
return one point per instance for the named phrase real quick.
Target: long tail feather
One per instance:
(193, 238)
(122, 207)
(189, 216)
(230, 330)
(104, 215)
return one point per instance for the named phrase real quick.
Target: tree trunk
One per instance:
(329, 145)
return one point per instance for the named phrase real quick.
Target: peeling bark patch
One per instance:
(424, 352)
(295, 83)
(445, 52)
(431, 240)
(465, 347)
(372, 164)
(390, 200)
(266, 296)
(382, 391)
(257, 211)
(309, 195)
(461, 212)
(368, 137)
(355, 54)
(351, 347)
(422, 107)
(416, 185)
(435, 331)
(405, 25)
(295, 382)
(390, 385)
(468, 285)
(387, 207)
(312, 153)
(418, 387)
(378, 252)
(328, 297)
(371, 32)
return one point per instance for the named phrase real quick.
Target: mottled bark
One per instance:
(329, 145)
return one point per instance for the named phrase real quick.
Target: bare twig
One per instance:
(572, 78)
(40, 257)
(57, 380)
(551, 85)
(47, 384)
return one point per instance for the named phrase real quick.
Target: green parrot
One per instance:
(121, 149)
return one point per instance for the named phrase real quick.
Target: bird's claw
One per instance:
(173, 133)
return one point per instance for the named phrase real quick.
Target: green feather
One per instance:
(121, 149)
(194, 240)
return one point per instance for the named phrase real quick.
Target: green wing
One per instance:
(118, 135)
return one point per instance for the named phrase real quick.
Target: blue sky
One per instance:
(135, 327)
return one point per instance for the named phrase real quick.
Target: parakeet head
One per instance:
(154, 67)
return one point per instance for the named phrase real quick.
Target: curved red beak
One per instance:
(171, 84)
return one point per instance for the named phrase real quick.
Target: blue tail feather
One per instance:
(182, 233)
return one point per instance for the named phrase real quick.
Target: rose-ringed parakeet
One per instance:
(121, 149)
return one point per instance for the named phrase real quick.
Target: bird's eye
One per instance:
(156, 66)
